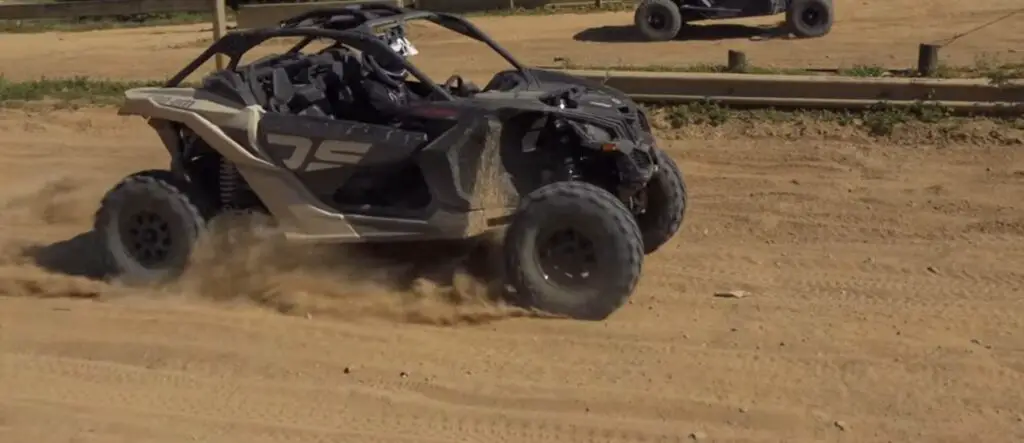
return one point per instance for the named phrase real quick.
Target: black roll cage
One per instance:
(351, 26)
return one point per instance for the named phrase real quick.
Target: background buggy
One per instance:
(661, 20)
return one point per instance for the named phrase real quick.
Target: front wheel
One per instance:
(658, 20)
(574, 250)
(666, 203)
(148, 226)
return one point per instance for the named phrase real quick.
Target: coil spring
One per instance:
(230, 183)
(572, 173)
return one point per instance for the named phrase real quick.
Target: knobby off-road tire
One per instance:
(538, 272)
(810, 18)
(148, 226)
(658, 20)
(666, 203)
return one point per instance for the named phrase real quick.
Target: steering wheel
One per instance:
(460, 87)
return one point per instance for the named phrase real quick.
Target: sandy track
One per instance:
(887, 282)
(882, 33)
(888, 296)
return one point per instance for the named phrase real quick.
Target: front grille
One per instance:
(630, 118)
(644, 124)
(641, 158)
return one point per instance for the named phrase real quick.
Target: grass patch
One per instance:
(566, 63)
(79, 24)
(82, 90)
(864, 71)
(880, 121)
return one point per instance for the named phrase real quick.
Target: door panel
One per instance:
(324, 154)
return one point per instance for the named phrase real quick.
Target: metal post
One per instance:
(219, 29)
(927, 60)
(737, 61)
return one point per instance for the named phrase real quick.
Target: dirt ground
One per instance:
(887, 288)
(887, 297)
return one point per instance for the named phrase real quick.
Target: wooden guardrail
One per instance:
(813, 91)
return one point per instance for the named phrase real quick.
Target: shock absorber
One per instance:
(229, 183)
(571, 169)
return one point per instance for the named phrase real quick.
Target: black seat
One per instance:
(230, 85)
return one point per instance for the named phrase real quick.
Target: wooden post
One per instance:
(927, 60)
(219, 29)
(737, 61)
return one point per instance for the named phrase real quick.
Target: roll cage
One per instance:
(356, 26)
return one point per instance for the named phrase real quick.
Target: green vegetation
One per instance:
(75, 24)
(922, 123)
(81, 90)
(566, 63)
(881, 120)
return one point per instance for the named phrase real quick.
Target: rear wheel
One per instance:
(573, 250)
(148, 226)
(810, 18)
(658, 20)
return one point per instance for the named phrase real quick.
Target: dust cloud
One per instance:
(439, 284)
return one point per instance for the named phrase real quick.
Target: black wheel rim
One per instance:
(813, 16)
(568, 258)
(146, 236)
(657, 20)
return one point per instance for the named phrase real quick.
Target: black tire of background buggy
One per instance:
(583, 206)
(666, 205)
(666, 7)
(802, 30)
(183, 204)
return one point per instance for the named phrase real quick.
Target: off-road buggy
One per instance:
(566, 168)
(661, 20)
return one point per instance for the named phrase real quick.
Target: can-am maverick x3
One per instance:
(568, 166)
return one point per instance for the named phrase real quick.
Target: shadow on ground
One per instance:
(76, 256)
(707, 32)
(438, 282)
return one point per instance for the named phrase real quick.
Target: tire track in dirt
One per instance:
(905, 354)
(105, 385)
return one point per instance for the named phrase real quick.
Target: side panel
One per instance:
(324, 153)
(241, 135)
(750, 7)
(466, 168)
